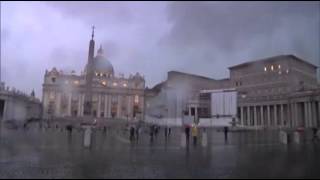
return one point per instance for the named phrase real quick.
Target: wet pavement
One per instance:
(56, 153)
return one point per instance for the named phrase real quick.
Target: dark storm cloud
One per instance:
(153, 37)
(242, 31)
(97, 13)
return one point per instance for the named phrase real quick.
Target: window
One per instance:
(76, 82)
(265, 69)
(279, 66)
(104, 83)
(271, 67)
(115, 84)
(53, 79)
(125, 85)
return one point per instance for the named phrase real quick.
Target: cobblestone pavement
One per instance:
(55, 153)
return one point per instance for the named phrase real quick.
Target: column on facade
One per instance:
(82, 103)
(281, 116)
(69, 104)
(255, 116)
(248, 116)
(79, 105)
(58, 104)
(311, 116)
(268, 115)
(306, 118)
(288, 116)
(297, 115)
(293, 115)
(131, 106)
(275, 123)
(241, 116)
(105, 114)
(262, 117)
(315, 114)
(99, 106)
(119, 107)
(109, 105)
(128, 107)
(143, 106)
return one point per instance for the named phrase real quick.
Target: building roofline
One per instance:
(193, 75)
(274, 58)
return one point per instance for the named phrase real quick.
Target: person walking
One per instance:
(226, 130)
(132, 132)
(151, 133)
(315, 134)
(187, 133)
(194, 134)
(166, 133)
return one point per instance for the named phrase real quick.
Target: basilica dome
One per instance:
(102, 65)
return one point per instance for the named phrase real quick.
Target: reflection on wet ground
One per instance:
(57, 153)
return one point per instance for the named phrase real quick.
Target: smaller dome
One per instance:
(100, 50)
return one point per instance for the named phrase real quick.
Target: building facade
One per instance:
(95, 93)
(18, 106)
(280, 91)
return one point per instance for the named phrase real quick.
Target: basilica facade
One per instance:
(95, 93)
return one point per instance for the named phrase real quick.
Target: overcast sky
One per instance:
(152, 38)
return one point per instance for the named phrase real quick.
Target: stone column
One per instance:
(306, 118)
(288, 112)
(255, 116)
(79, 105)
(241, 116)
(275, 115)
(131, 106)
(262, 117)
(296, 115)
(99, 106)
(69, 104)
(248, 116)
(310, 114)
(269, 116)
(314, 112)
(58, 104)
(82, 104)
(105, 106)
(109, 105)
(281, 116)
(293, 115)
(142, 103)
(119, 107)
